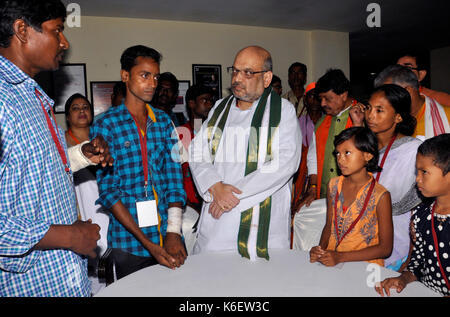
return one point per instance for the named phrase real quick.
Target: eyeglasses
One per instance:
(233, 71)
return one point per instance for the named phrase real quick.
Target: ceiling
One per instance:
(405, 24)
(346, 15)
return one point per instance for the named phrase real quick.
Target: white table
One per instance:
(225, 274)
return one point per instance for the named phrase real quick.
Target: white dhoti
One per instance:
(308, 225)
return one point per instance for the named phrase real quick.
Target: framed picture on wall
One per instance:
(181, 100)
(66, 81)
(101, 92)
(210, 76)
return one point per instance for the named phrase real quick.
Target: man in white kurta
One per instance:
(221, 179)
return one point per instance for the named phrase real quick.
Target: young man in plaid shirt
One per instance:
(144, 190)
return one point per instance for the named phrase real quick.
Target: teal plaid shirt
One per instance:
(124, 181)
(35, 192)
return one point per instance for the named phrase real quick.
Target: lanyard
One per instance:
(366, 201)
(386, 154)
(59, 147)
(436, 247)
(144, 153)
(73, 136)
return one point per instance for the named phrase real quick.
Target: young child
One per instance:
(430, 222)
(359, 218)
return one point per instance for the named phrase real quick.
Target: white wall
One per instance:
(100, 41)
(329, 50)
(440, 69)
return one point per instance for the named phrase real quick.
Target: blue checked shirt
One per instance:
(125, 180)
(35, 192)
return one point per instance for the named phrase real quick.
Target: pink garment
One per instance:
(307, 128)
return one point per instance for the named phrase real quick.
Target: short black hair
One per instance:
(171, 78)
(196, 90)
(438, 148)
(33, 12)
(129, 56)
(400, 100)
(120, 88)
(365, 141)
(303, 67)
(275, 79)
(193, 92)
(421, 60)
(69, 103)
(335, 80)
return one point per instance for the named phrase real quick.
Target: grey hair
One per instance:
(399, 75)
(268, 63)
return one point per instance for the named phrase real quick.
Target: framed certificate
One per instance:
(210, 76)
(66, 81)
(183, 86)
(101, 92)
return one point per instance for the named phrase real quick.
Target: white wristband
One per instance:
(174, 220)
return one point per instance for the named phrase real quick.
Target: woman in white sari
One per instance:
(388, 116)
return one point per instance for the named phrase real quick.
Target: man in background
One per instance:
(297, 79)
(166, 97)
(432, 118)
(199, 100)
(276, 85)
(414, 62)
(118, 94)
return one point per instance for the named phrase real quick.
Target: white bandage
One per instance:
(77, 159)
(174, 220)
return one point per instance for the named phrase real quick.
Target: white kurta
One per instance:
(272, 178)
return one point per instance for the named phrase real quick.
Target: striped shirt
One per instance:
(125, 180)
(35, 192)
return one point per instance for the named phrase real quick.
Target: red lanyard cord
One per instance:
(386, 154)
(436, 247)
(54, 132)
(73, 136)
(143, 141)
(366, 201)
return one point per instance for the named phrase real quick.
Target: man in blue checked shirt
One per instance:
(144, 190)
(42, 244)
